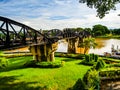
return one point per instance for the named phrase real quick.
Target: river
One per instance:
(103, 45)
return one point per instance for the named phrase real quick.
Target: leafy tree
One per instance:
(115, 31)
(107, 31)
(99, 30)
(79, 29)
(88, 29)
(88, 43)
(102, 6)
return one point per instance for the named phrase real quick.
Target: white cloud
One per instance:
(39, 13)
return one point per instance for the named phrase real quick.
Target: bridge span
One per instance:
(42, 45)
(13, 33)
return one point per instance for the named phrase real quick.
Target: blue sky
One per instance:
(59, 14)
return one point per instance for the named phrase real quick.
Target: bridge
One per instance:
(15, 34)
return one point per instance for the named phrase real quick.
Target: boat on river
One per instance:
(114, 52)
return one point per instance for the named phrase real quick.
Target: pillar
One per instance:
(43, 52)
(73, 45)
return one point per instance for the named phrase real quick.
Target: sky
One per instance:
(56, 14)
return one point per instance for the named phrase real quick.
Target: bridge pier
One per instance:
(43, 52)
(73, 45)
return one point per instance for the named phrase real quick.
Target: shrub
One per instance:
(115, 65)
(79, 85)
(85, 77)
(44, 64)
(100, 64)
(87, 58)
(87, 63)
(111, 73)
(80, 56)
(91, 79)
(96, 58)
(50, 64)
(91, 56)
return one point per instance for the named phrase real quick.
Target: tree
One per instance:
(79, 29)
(107, 31)
(88, 29)
(87, 43)
(115, 31)
(102, 6)
(99, 30)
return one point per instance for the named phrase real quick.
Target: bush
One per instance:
(75, 56)
(85, 78)
(87, 58)
(79, 85)
(91, 79)
(115, 65)
(79, 56)
(91, 56)
(49, 64)
(96, 58)
(100, 64)
(87, 63)
(44, 64)
(110, 73)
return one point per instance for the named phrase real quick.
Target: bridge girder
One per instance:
(13, 33)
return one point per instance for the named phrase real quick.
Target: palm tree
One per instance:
(87, 44)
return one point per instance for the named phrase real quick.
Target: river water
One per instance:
(103, 45)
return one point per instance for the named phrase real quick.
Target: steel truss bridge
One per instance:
(14, 34)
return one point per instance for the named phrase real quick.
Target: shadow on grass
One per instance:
(30, 64)
(69, 59)
(11, 68)
(12, 83)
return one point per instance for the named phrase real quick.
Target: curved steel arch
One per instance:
(13, 33)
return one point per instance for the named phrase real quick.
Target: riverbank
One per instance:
(109, 36)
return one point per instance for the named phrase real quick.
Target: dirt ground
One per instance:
(110, 85)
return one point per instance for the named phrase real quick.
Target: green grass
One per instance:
(16, 77)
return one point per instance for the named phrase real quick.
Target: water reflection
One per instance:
(104, 45)
(62, 46)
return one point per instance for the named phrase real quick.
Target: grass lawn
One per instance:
(15, 77)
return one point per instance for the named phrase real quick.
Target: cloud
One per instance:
(59, 17)
(49, 14)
